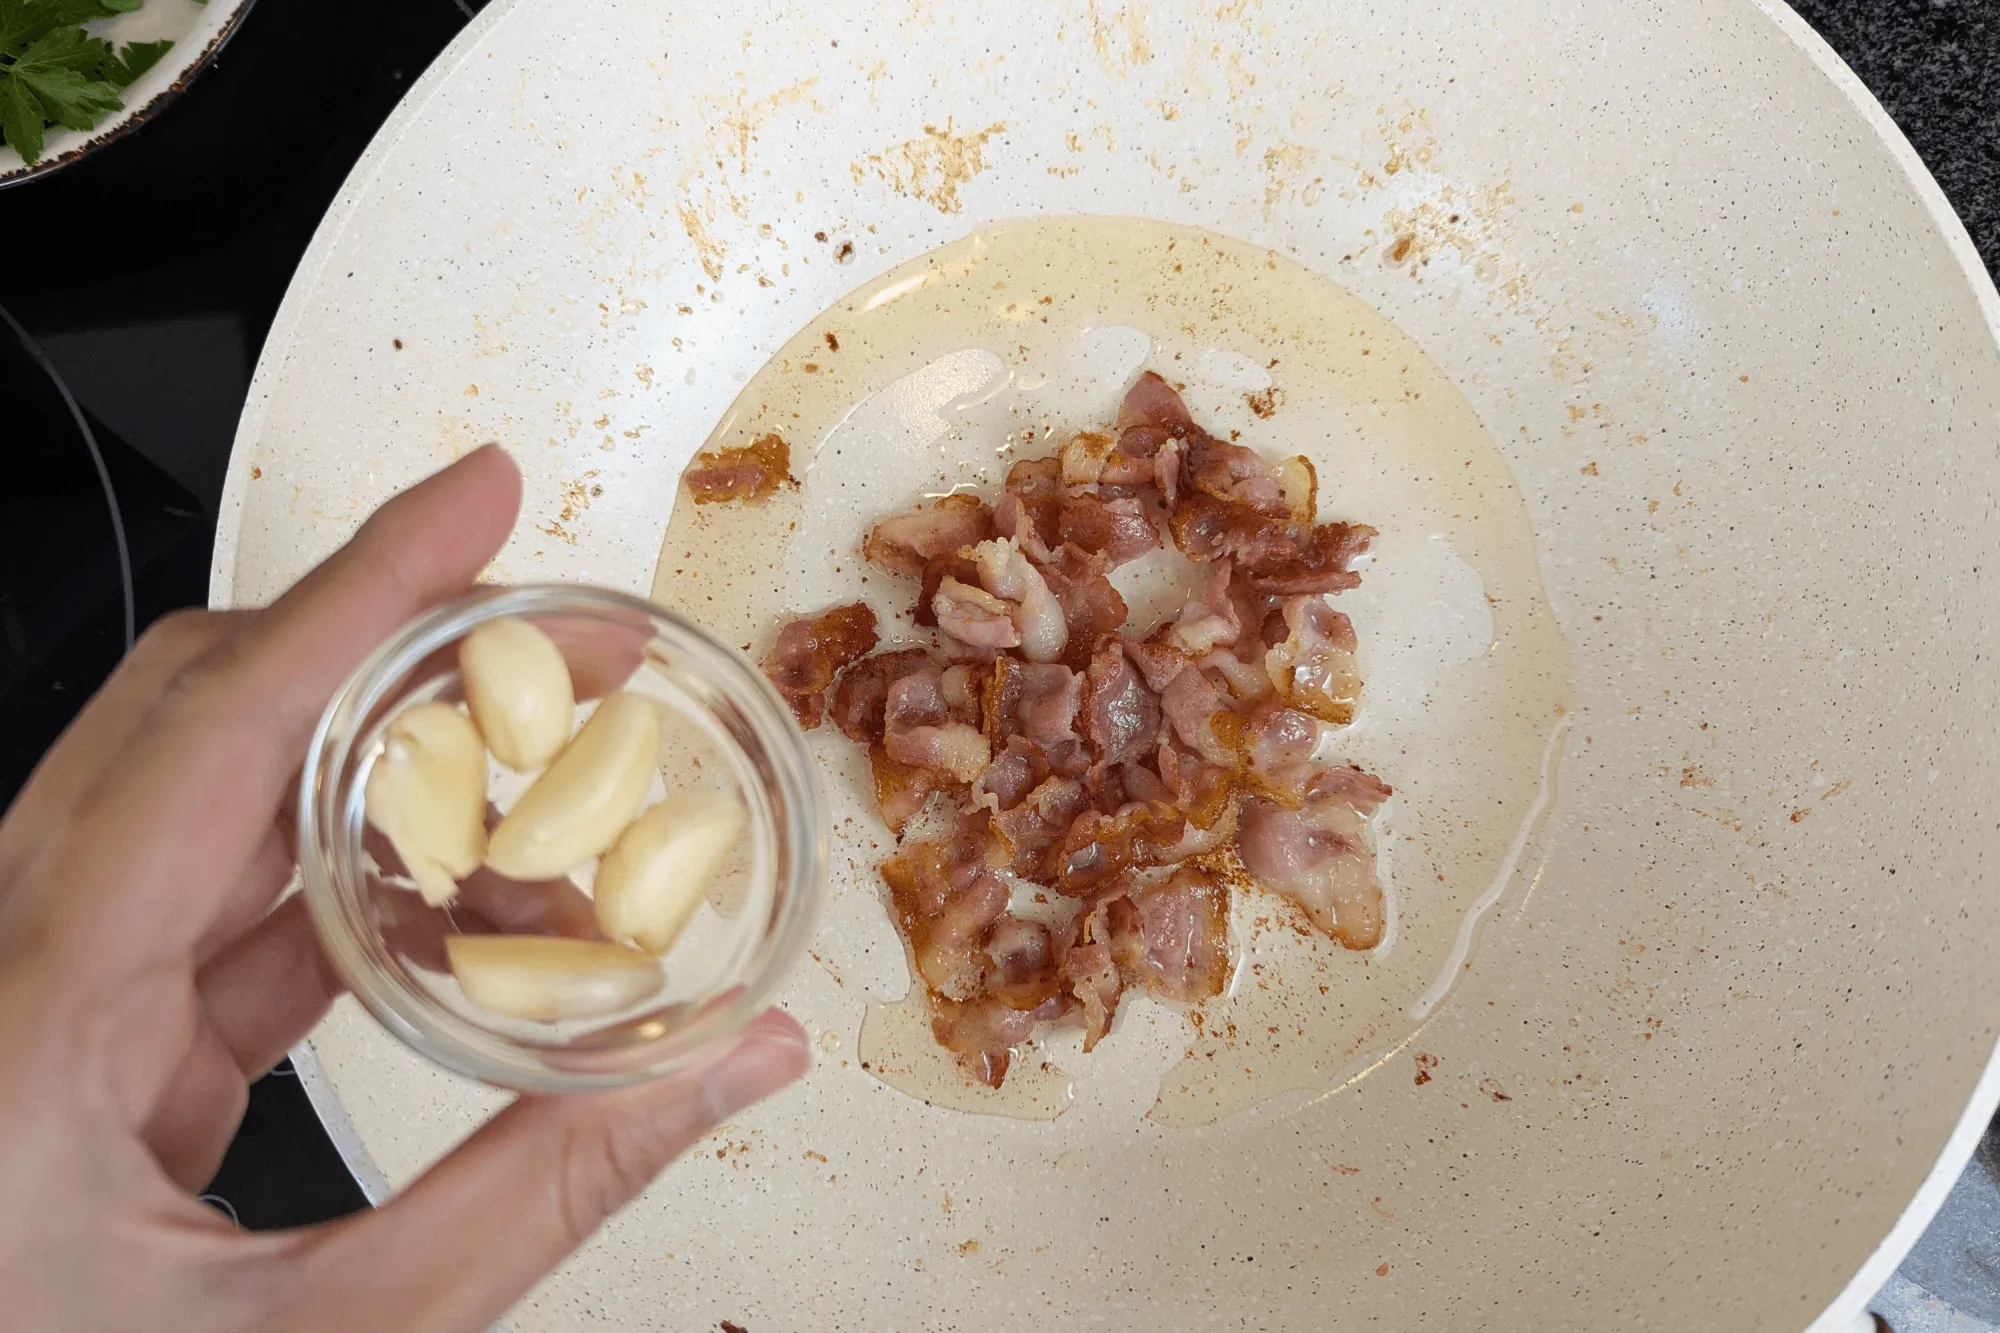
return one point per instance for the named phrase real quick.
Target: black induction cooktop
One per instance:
(125, 358)
(126, 352)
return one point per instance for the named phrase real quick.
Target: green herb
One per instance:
(52, 72)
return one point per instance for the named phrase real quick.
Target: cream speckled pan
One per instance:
(1741, 359)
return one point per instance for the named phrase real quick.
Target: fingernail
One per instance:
(766, 1060)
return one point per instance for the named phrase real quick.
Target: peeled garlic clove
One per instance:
(585, 798)
(518, 688)
(549, 978)
(649, 884)
(427, 793)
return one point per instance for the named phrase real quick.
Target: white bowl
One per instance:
(198, 31)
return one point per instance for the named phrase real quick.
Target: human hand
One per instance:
(145, 979)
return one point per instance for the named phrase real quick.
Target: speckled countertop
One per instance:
(1935, 66)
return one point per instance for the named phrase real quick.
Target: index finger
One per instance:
(159, 841)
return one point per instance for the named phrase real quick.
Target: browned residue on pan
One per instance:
(931, 166)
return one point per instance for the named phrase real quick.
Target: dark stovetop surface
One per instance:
(180, 242)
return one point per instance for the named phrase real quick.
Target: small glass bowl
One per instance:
(723, 727)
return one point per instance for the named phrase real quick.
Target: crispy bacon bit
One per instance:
(946, 896)
(1314, 668)
(1099, 847)
(907, 542)
(1083, 458)
(1021, 963)
(1091, 607)
(1173, 938)
(1013, 580)
(1090, 974)
(1121, 715)
(1117, 528)
(1015, 771)
(1035, 827)
(1121, 772)
(983, 1034)
(974, 616)
(752, 473)
(1209, 621)
(859, 694)
(1316, 857)
(811, 650)
(1151, 401)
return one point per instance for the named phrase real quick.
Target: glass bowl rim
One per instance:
(447, 1039)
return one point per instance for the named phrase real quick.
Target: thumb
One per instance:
(481, 1227)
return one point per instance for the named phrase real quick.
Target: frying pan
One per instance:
(1741, 360)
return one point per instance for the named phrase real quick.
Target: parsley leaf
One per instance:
(53, 72)
(134, 60)
(23, 22)
(61, 71)
(21, 119)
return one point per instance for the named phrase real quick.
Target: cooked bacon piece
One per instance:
(1035, 701)
(907, 542)
(1050, 697)
(858, 695)
(1015, 771)
(1207, 528)
(1202, 718)
(1232, 473)
(811, 650)
(1099, 847)
(1034, 829)
(1030, 507)
(1314, 667)
(1017, 590)
(982, 1034)
(1158, 663)
(956, 565)
(1136, 782)
(1315, 855)
(1117, 526)
(903, 790)
(1207, 621)
(1082, 459)
(918, 728)
(1280, 750)
(974, 616)
(1299, 481)
(954, 749)
(1319, 565)
(963, 686)
(1151, 401)
(916, 699)
(1129, 469)
(1091, 607)
(1167, 473)
(1248, 682)
(1121, 716)
(1173, 938)
(752, 473)
(1090, 974)
(1202, 791)
(1273, 555)
(946, 898)
(1021, 966)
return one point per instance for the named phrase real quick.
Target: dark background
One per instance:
(177, 245)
